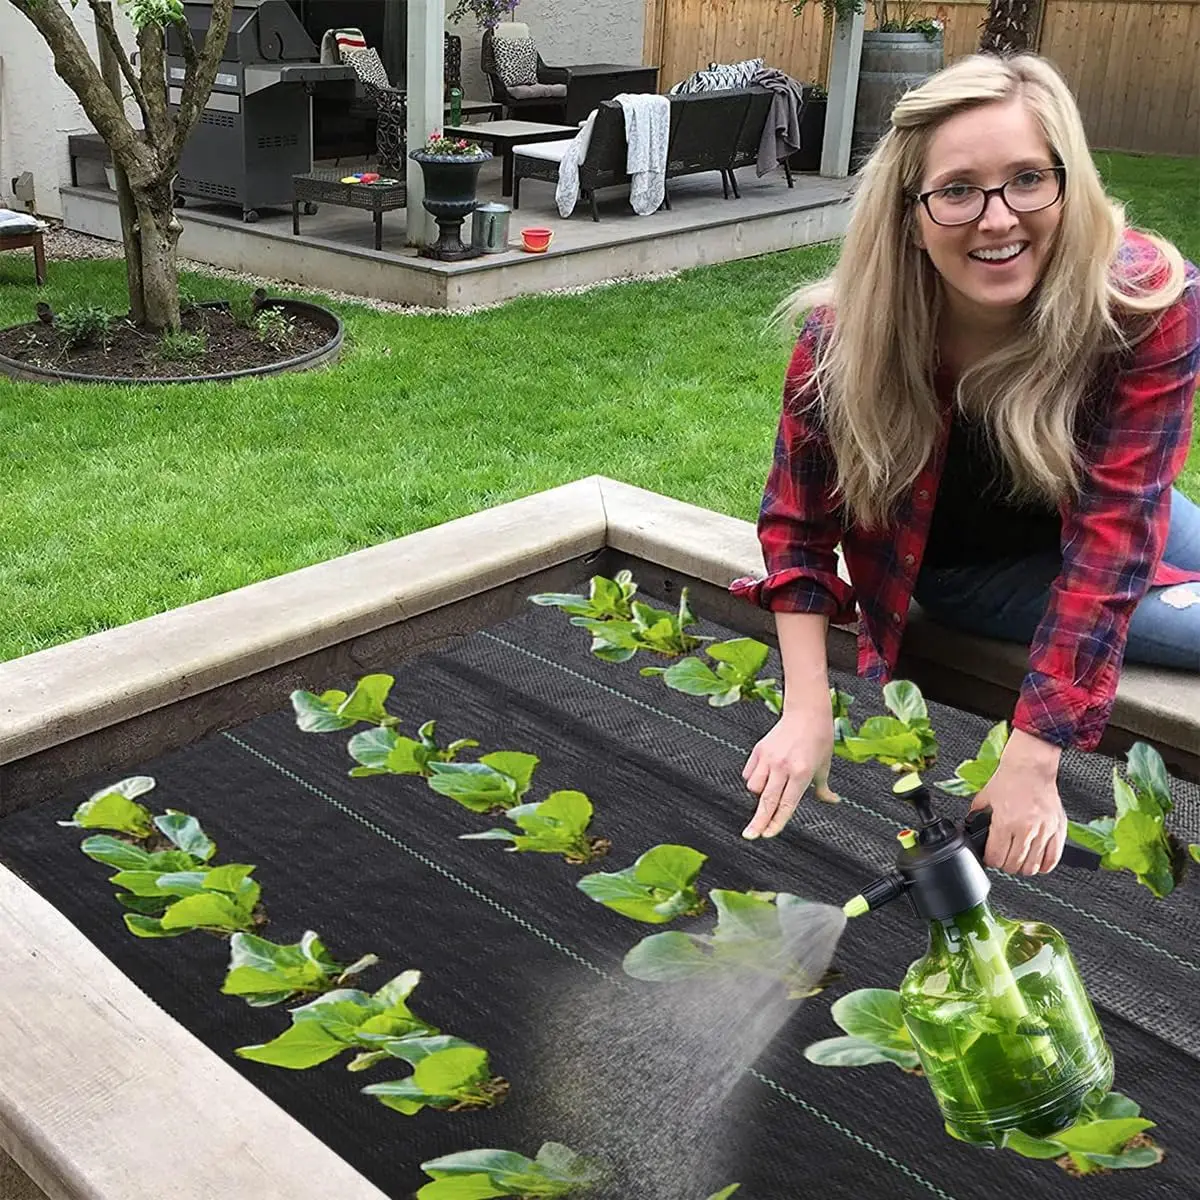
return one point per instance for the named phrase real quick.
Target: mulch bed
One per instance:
(134, 353)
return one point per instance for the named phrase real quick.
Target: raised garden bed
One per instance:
(214, 346)
(514, 957)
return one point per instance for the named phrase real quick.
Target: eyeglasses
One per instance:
(962, 203)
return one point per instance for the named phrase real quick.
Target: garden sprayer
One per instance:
(996, 1010)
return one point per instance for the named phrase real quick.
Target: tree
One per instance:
(1009, 27)
(146, 160)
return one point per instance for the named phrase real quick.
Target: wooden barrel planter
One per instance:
(892, 64)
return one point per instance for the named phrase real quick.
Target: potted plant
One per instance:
(451, 169)
(898, 54)
(812, 129)
(487, 13)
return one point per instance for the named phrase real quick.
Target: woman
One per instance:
(988, 405)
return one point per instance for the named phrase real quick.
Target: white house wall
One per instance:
(566, 31)
(38, 110)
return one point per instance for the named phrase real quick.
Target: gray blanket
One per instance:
(781, 132)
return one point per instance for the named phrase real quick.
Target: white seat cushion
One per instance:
(549, 151)
(513, 31)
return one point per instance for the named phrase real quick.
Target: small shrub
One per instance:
(275, 329)
(182, 346)
(83, 325)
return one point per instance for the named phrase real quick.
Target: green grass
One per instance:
(121, 502)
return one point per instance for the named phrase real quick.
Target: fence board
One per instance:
(1134, 65)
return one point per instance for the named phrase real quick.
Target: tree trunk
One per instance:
(158, 234)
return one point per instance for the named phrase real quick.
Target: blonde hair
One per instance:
(873, 384)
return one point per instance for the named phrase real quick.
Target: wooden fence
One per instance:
(1134, 65)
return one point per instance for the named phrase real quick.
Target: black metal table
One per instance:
(325, 187)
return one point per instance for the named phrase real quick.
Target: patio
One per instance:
(335, 249)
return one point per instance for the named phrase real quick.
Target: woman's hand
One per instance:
(1029, 826)
(796, 752)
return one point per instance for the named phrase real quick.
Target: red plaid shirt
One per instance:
(1112, 535)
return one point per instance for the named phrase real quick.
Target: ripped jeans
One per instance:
(1007, 600)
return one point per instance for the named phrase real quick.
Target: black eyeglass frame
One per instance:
(1059, 170)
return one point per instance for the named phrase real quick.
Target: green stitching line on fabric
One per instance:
(424, 860)
(816, 1112)
(847, 800)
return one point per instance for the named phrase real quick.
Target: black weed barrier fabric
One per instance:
(510, 950)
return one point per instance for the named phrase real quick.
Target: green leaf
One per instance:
(450, 1071)
(690, 676)
(476, 786)
(973, 775)
(745, 655)
(462, 1187)
(1142, 847)
(667, 958)
(115, 808)
(1194, 851)
(1134, 1157)
(1149, 777)
(113, 852)
(148, 906)
(725, 1193)
(516, 765)
(858, 1052)
(1031, 1147)
(904, 698)
(160, 883)
(304, 1045)
(415, 1047)
(1126, 798)
(874, 1015)
(230, 878)
(479, 1162)
(744, 917)
(264, 972)
(1095, 835)
(1114, 1105)
(186, 833)
(319, 714)
(149, 927)
(669, 866)
(1102, 1137)
(212, 910)
(366, 702)
(570, 809)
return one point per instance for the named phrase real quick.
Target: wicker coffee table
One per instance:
(325, 187)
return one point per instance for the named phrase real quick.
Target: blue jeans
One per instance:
(1007, 599)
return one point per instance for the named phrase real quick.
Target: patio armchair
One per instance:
(542, 96)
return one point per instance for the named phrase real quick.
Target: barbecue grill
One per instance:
(255, 132)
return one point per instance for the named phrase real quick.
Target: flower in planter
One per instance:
(446, 147)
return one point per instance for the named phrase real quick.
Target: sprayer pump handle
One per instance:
(979, 822)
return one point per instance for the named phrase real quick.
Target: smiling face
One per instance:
(992, 263)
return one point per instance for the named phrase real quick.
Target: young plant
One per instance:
(1109, 1136)
(755, 931)
(558, 825)
(973, 775)
(725, 1193)
(876, 1033)
(116, 808)
(651, 629)
(660, 886)
(1136, 839)
(333, 709)
(383, 751)
(607, 599)
(452, 1080)
(557, 1171)
(495, 783)
(220, 900)
(265, 973)
(378, 1025)
(904, 741)
(735, 677)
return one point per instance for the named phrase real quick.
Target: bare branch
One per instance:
(74, 65)
(107, 29)
(202, 74)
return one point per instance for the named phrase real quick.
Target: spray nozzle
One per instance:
(940, 865)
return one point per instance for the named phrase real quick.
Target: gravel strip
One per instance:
(66, 245)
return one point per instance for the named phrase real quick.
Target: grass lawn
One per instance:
(122, 502)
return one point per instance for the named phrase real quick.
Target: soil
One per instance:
(133, 353)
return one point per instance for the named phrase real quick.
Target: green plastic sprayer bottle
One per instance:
(996, 1009)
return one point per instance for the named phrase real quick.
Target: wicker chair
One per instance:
(526, 108)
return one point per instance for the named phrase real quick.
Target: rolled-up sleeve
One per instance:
(798, 524)
(1113, 537)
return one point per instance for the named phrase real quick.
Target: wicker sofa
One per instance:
(709, 131)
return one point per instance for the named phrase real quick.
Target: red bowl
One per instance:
(536, 240)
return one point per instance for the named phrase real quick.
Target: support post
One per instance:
(425, 110)
(843, 93)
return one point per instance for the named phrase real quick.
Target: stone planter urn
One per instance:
(450, 184)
